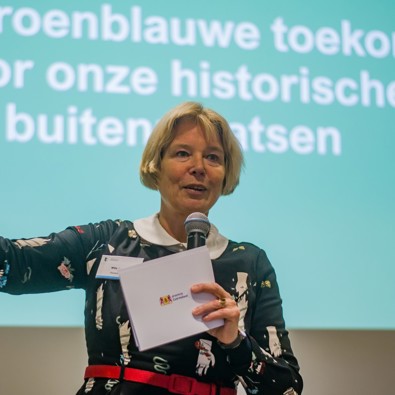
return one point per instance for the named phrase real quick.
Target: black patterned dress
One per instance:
(264, 363)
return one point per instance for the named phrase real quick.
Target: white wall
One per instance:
(51, 361)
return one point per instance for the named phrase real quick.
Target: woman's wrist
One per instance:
(235, 343)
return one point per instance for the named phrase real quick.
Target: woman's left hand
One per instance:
(224, 306)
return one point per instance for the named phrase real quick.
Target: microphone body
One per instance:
(197, 227)
(196, 239)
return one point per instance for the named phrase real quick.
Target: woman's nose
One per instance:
(197, 167)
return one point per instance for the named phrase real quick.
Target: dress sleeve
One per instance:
(274, 369)
(57, 262)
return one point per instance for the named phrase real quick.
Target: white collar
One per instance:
(151, 230)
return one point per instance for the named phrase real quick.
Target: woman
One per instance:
(191, 158)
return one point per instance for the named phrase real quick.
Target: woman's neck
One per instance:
(174, 226)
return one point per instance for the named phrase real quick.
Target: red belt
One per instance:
(174, 383)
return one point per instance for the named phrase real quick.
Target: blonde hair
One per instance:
(212, 124)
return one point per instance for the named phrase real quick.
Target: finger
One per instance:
(212, 288)
(221, 303)
(216, 306)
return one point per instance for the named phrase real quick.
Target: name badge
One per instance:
(110, 265)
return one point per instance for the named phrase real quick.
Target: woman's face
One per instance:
(192, 172)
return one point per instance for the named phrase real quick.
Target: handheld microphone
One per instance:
(197, 227)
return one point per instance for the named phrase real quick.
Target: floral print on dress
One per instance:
(66, 270)
(89, 385)
(274, 342)
(33, 242)
(290, 391)
(99, 307)
(124, 336)
(206, 357)
(4, 270)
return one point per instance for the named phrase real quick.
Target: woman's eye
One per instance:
(213, 158)
(182, 154)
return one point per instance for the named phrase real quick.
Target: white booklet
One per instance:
(159, 300)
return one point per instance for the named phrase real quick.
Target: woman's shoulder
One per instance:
(105, 229)
(244, 247)
(114, 223)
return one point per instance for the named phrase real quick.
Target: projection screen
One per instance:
(308, 91)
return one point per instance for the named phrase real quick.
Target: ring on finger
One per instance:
(222, 302)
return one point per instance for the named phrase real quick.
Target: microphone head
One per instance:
(197, 222)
